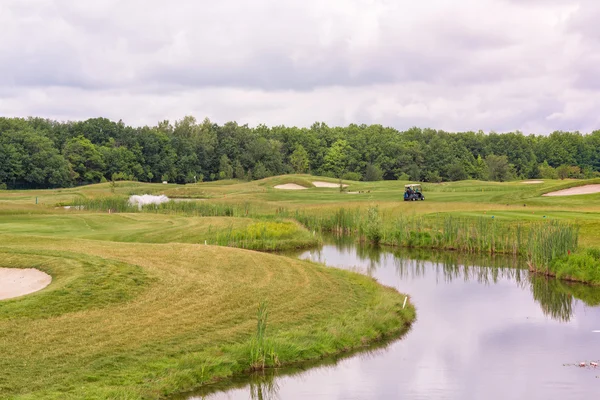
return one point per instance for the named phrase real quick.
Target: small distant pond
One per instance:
(485, 329)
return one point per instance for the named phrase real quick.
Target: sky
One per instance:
(491, 65)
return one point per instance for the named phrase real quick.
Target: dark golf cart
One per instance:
(413, 192)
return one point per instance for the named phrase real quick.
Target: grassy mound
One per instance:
(139, 320)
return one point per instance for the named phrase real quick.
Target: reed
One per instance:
(259, 347)
(540, 242)
(191, 208)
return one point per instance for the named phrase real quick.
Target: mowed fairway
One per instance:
(136, 310)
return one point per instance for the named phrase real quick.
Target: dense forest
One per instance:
(41, 153)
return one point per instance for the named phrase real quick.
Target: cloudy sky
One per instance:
(500, 65)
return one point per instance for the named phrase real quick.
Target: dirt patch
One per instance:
(587, 189)
(15, 282)
(320, 184)
(532, 182)
(290, 186)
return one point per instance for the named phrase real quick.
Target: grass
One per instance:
(247, 233)
(188, 319)
(581, 266)
(140, 307)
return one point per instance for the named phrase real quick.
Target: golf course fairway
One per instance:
(144, 320)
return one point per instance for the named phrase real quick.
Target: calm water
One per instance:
(484, 331)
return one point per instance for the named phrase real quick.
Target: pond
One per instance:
(485, 328)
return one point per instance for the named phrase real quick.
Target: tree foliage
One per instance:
(40, 153)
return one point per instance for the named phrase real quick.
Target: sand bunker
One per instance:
(15, 282)
(532, 182)
(290, 186)
(587, 189)
(320, 184)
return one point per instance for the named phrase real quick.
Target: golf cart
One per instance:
(413, 192)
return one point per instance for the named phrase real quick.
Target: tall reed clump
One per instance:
(112, 203)
(193, 208)
(550, 240)
(373, 231)
(541, 242)
(341, 222)
(261, 350)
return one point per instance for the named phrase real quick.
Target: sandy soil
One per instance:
(587, 189)
(320, 184)
(290, 186)
(15, 282)
(532, 182)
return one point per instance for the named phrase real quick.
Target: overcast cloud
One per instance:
(500, 65)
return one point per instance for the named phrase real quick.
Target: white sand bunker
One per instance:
(587, 189)
(532, 182)
(320, 184)
(15, 282)
(289, 186)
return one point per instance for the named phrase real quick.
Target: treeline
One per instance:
(41, 153)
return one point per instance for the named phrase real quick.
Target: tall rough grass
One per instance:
(540, 242)
(266, 236)
(193, 208)
(549, 241)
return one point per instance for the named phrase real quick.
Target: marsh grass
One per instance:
(192, 208)
(267, 236)
(540, 242)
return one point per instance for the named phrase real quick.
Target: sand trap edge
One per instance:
(321, 184)
(290, 186)
(578, 190)
(17, 282)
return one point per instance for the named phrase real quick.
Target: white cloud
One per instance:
(476, 64)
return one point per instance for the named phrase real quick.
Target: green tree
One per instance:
(299, 159)
(260, 171)
(498, 167)
(238, 170)
(563, 171)
(456, 171)
(373, 173)
(480, 169)
(433, 176)
(85, 160)
(547, 172)
(225, 168)
(336, 160)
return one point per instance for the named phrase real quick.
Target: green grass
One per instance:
(581, 266)
(250, 233)
(140, 307)
(140, 320)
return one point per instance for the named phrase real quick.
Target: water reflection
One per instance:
(486, 328)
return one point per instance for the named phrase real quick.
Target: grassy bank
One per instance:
(579, 266)
(138, 320)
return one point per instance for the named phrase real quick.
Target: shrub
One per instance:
(352, 176)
